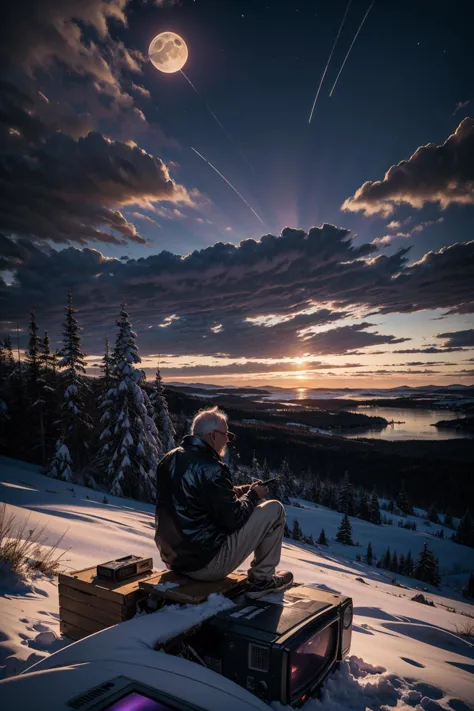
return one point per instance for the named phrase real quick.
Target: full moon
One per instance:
(168, 52)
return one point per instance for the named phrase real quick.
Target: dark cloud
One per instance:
(442, 174)
(458, 339)
(429, 349)
(259, 299)
(252, 367)
(65, 190)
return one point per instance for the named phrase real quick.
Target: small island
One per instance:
(466, 424)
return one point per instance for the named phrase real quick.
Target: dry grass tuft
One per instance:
(466, 628)
(24, 548)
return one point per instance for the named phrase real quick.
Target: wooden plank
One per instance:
(86, 580)
(89, 598)
(82, 622)
(72, 631)
(193, 591)
(89, 612)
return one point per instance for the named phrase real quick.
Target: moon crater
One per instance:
(168, 52)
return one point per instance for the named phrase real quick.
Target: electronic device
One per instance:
(123, 568)
(269, 481)
(280, 647)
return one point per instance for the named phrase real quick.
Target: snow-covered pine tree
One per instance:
(74, 422)
(344, 532)
(130, 441)
(369, 556)
(60, 465)
(296, 533)
(162, 417)
(375, 516)
(322, 540)
(316, 490)
(255, 470)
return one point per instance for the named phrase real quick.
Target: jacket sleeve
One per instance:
(225, 508)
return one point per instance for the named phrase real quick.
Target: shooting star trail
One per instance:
(350, 48)
(229, 137)
(230, 185)
(329, 60)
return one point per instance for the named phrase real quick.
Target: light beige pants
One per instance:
(261, 535)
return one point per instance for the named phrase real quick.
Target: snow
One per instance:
(405, 655)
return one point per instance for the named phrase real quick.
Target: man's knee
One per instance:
(274, 510)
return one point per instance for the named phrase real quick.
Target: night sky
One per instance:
(362, 272)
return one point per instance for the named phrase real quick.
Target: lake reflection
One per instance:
(416, 424)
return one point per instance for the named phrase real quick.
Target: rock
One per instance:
(361, 580)
(421, 598)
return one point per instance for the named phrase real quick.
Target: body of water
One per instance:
(416, 424)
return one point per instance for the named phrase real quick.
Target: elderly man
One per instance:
(205, 526)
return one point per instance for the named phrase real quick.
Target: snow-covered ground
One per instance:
(404, 654)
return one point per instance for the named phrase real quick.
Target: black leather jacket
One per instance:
(196, 507)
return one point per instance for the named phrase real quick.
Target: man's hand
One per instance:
(259, 489)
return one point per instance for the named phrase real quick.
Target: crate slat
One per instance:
(83, 623)
(91, 613)
(71, 631)
(89, 598)
(192, 591)
(86, 580)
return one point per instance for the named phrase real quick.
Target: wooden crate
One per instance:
(189, 590)
(88, 604)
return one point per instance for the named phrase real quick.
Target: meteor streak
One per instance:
(329, 60)
(229, 137)
(350, 48)
(230, 185)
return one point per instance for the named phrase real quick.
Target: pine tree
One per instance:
(469, 589)
(448, 519)
(387, 559)
(286, 531)
(106, 367)
(401, 564)
(433, 514)
(363, 509)
(255, 468)
(322, 540)
(465, 532)
(403, 502)
(162, 417)
(286, 481)
(344, 532)
(426, 567)
(346, 502)
(375, 516)
(130, 441)
(369, 556)
(296, 533)
(60, 465)
(394, 563)
(74, 422)
(35, 386)
(409, 564)
(316, 490)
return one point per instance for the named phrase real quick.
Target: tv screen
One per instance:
(311, 658)
(135, 701)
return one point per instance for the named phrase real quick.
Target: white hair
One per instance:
(207, 420)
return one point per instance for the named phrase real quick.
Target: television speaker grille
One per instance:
(259, 657)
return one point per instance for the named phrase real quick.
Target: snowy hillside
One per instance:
(404, 654)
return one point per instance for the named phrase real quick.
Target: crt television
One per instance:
(280, 647)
